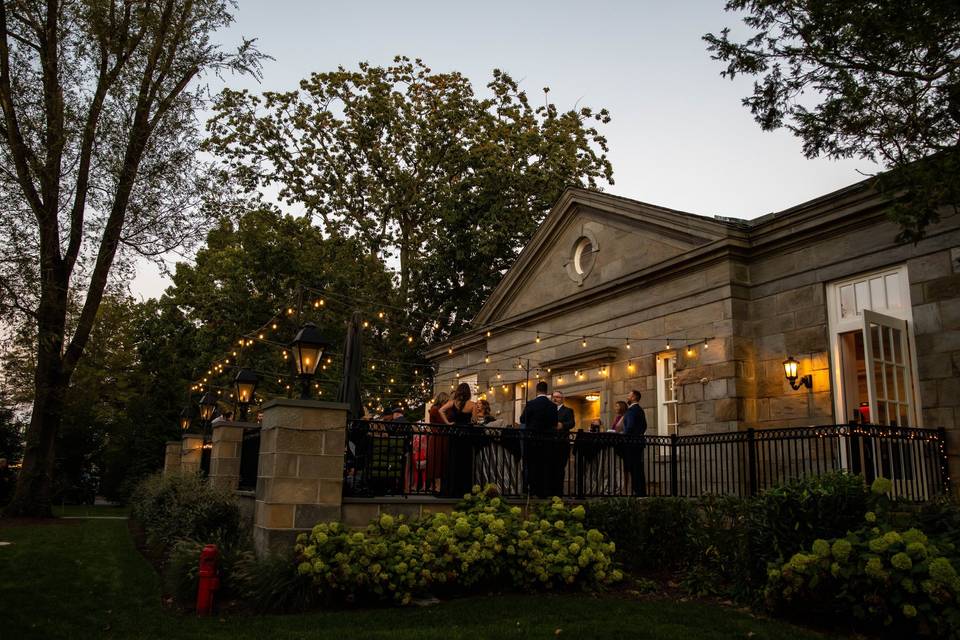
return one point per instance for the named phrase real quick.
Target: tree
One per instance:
(876, 80)
(98, 101)
(254, 269)
(417, 166)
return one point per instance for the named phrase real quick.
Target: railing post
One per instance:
(752, 460)
(674, 471)
(944, 461)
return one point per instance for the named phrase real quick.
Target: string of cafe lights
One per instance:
(319, 302)
(389, 381)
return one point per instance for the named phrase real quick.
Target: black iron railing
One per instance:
(390, 458)
(249, 458)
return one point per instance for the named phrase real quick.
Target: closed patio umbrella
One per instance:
(349, 391)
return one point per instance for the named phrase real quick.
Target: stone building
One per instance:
(700, 313)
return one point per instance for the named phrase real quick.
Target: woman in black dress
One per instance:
(459, 411)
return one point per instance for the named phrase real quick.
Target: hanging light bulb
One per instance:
(365, 324)
(627, 346)
(486, 358)
(409, 339)
(499, 376)
(668, 345)
(706, 345)
(380, 315)
(583, 341)
(488, 334)
(449, 350)
(689, 351)
(629, 365)
(538, 337)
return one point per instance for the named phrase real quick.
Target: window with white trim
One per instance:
(667, 414)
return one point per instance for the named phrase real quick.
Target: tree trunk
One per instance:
(33, 493)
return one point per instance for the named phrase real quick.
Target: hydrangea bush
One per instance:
(484, 542)
(885, 577)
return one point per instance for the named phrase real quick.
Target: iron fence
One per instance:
(398, 458)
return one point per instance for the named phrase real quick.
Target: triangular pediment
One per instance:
(625, 236)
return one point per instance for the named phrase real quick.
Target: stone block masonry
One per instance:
(225, 455)
(300, 475)
(191, 452)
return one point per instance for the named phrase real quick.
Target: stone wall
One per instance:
(935, 294)
(300, 474)
(759, 303)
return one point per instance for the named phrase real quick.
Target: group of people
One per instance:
(545, 465)
(447, 456)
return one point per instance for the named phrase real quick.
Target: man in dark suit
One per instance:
(560, 452)
(634, 427)
(539, 418)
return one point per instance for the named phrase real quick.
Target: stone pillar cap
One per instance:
(304, 404)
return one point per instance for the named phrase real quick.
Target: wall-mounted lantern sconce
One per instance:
(790, 370)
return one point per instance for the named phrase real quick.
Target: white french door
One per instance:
(890, 392)
(889, 383)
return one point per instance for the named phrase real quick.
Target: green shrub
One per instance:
(485, 542)
(273, 585)
(649, 534)
(237, 567)
(722, 545)
(185, 507)
(939, 517)
(903, 581)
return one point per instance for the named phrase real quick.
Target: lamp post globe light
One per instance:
(791, 373)
(246, 383)
(307, 349)
(207, 404)
(186, 417)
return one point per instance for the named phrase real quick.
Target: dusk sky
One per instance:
(679, 136)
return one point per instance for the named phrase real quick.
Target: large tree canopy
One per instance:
(253, 270)
(413, 163)
(97, 164)
(877, 79)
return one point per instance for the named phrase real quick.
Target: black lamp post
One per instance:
(207, 404)
(246, 384)
(307, 350)
(186, 416)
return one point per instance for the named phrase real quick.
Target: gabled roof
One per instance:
(688, 228)
(708, 237)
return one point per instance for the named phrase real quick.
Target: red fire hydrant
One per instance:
(209, 579)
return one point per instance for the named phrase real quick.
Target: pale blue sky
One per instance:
(678, 136)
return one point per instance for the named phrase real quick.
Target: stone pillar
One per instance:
(300, 475)
(191, 451)
(225, 455)
(171, 458)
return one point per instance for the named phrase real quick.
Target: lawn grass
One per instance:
(85, 579)
(89, 510)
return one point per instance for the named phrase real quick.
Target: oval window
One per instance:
(583, 256)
